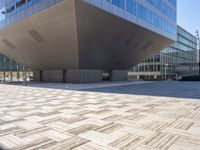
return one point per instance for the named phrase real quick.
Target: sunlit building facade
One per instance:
(171, 62)
(77, 40)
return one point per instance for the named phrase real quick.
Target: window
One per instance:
(119, 3)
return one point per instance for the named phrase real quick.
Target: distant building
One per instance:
(179, 58)
(77, 40)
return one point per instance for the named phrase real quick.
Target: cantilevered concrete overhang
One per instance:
(45, 40)
(107, 41)
(74, 35)
(77, 35)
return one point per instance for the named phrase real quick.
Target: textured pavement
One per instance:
(113, 118)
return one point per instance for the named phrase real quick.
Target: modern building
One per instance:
(180, 59)
(78, 40)
(11, 70)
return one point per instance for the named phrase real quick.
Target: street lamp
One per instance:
(166, 65)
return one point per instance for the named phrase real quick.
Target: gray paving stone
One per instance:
(157, 116)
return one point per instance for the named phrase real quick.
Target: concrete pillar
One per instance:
(119, 75)
(18, 76)
(84, 76)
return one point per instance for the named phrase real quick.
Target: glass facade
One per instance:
(12, 11)
(180, 56)
(10, 69)
(7, 64)
(156, 15)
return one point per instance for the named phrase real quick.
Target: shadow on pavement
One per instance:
(176, 89)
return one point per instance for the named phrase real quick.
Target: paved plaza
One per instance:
(151, 116)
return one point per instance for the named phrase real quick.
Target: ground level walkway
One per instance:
(146, 116)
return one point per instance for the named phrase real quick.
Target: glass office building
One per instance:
(59, 38)
(156, 15)
(12, 11)
(172, 61)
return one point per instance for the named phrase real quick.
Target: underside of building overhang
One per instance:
(77, 35)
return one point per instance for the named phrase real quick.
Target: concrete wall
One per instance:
(52, 76)
(84, 76)
(78, 76)
(119, 75)
(36, 76)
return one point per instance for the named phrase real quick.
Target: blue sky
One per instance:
(189, 15)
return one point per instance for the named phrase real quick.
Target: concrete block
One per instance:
(119, 75)
(84, 76)
(52, 76)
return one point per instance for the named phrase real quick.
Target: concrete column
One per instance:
(84, 76)
(18, 76)
(119, 75)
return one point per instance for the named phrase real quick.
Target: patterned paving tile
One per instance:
(126, 142)
(34, 118)
(161, 141)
